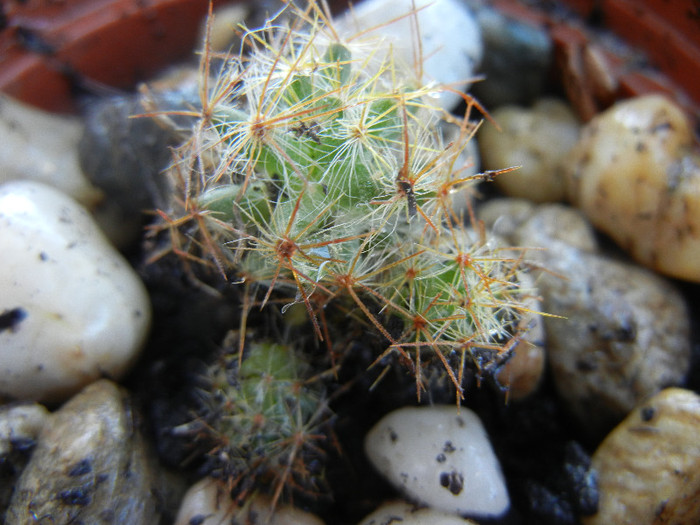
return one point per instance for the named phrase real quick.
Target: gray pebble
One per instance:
(623, 334)
(90, 465)
(517, 58)
(124, 155)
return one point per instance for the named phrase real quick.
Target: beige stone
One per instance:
(208, 503)
(523, 372)
(635, 176)
(537, 139)
(649, 465)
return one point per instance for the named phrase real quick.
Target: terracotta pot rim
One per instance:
(50, 49)
(671, 63)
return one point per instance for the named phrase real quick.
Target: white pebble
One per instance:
(75, 310)
(439, 456)
(207, 502)
(44, 147)
(223, 26)
(403, 513)
(449, 36)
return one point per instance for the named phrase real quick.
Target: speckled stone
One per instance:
(649, 465)
(623, 332)
(441, 457)
(636, 177)
(403, 513)
(20, 424)
(90, 465)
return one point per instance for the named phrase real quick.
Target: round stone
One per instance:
(208, 502)
(439, 39)
(439, 456)
(649, 465)
(407, 514)
(635, 173)
(72, 309)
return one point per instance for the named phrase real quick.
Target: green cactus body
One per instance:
(264, 414)
(333, 180)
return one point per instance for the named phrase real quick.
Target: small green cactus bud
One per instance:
(264, 415)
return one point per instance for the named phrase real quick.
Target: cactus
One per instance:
(262, 413)
(318, 172)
